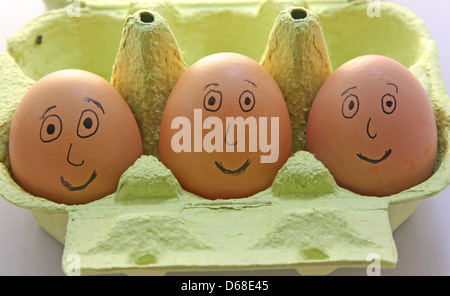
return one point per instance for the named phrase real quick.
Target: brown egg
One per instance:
(72, 137)
(225, 130)
(373, 126)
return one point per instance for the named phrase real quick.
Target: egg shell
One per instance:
(373, 126)
(72, 136)
(207, 174)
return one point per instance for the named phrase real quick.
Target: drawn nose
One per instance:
(368, 130)
(71, 162)
(226, 136)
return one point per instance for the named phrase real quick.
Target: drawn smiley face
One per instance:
(230, 126)
(350, 107)
(373, 127)
(72, 137)
(88, 124)
(212, 102)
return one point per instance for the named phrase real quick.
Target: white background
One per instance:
(423, 241)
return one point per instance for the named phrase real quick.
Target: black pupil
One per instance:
(51, 129)
(87, 123)
(389, 104)
(351, 105)
(247, 101)
(212, 101)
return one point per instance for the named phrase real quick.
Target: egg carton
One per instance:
(150, 225)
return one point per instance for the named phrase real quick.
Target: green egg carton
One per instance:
(151, 226)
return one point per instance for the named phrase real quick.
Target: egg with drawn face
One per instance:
(72, 136)
(373, 126)
(225, 130)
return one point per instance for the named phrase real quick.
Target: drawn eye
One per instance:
(51, 128)
(88, 124)
(388, 103)
(212, 100)
(350, 106)
(247, 101)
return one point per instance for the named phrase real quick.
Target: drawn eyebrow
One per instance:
(211, 84)
(347, 90)
(48, 109)
(252, 83)
(89, 100)
(396, 88)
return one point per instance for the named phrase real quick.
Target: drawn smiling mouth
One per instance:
(77, 188)
(235, 172)
(386, 155)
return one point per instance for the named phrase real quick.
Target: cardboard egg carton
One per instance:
(151, 225)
